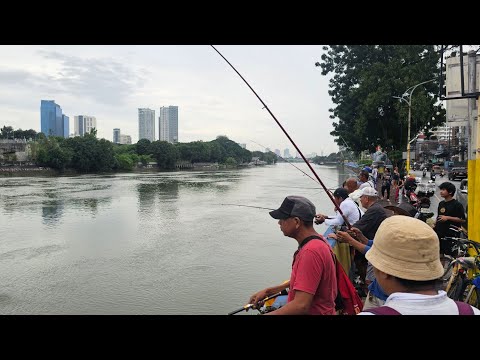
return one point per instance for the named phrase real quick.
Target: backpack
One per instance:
(463, 309)
(347, 302)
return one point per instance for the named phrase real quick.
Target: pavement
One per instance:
(434, 200)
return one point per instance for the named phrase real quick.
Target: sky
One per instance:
(111, 82)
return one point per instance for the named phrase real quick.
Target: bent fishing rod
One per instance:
(330, 196)
(248, 306)
(296, 167)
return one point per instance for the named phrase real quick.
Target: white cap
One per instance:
(369, 191)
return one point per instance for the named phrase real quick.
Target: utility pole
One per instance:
(473, 152)
(471, 133)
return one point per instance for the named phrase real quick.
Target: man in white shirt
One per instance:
(364, 177)
(349, 208)
(406, 261)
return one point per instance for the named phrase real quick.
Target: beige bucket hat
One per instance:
(407, 248)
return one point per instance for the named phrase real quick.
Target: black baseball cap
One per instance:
(341, 193)
(295, 206)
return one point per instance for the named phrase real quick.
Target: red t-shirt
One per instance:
(314, 272)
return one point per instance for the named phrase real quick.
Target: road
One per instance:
(435, 199)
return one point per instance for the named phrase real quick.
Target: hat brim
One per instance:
(419, 271)
(279, 215)
(397, 210)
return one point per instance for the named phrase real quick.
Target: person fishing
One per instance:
(313, 281)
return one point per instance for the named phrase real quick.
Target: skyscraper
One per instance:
(84, 124)
(168, 124)
(116, 136)
(52, 121)
(146, 124)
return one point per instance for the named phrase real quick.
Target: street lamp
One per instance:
(409, 93)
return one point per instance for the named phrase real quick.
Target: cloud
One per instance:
(105, 81)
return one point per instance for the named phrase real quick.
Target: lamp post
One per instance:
(409, 93)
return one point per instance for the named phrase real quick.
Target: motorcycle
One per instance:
(424, 174)
(442, 174)
(432, 176)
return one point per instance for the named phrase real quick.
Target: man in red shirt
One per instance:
(313, 282)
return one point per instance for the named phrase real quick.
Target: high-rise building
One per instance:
(125, 139)
(286, 153)
(146, 124)
(116, 136)
(84, 124)
(168, 124)
(65, 125)
(52, 120)
(267, 150)
(277, 151)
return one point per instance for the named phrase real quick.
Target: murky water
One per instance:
(150, 243)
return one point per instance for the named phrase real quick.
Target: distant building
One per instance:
(116, 136)
(168, 124)
(125, 139)
(243, 146)
(267, 150)
(146, 124)
(83, 124)
(443, 132)
(65, 125)
(277, 151)
(286, 153)
(52, 120)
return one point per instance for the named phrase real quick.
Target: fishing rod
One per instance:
(316, 182)
(330, 196)
(248, 306)
(296, 167)
(259, 207)
(256, 207)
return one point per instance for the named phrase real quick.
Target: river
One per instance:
(148, 243)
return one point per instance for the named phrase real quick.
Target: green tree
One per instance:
(365, 79)
(52, 152)
(165, 154)
(124, 162)
(230, 162)
(143, 147)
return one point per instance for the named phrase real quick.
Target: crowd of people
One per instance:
(395, 255)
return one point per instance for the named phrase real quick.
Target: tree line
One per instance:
(87, 153)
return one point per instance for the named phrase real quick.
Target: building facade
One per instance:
(146, 124)
(52, 121)
(125, 139)
(116, 136)
(84, 124)
(168, 124)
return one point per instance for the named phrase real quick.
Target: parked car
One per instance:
(457, 172)
(462, 195)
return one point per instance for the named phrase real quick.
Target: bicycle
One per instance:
(464, 281)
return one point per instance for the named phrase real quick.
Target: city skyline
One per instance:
(112, 82)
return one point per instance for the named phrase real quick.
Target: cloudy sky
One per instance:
(112, 82)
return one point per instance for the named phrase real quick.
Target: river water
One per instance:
(148, 243)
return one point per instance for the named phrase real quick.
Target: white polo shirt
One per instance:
(350, 210)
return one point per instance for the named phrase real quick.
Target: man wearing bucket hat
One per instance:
(406, 260)
(375, 296)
